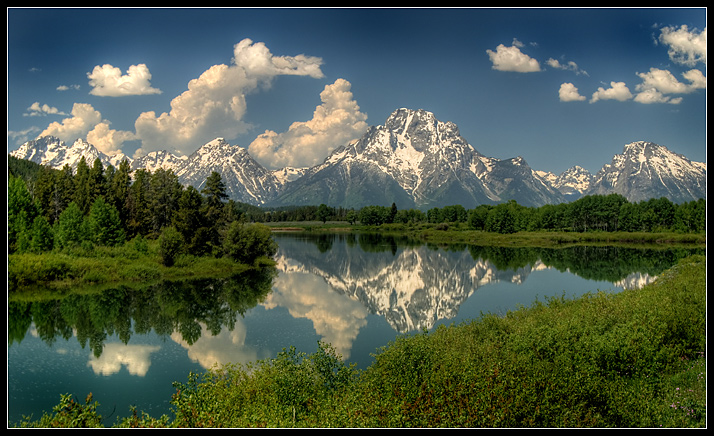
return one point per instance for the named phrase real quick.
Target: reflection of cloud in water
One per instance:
(226, 347)
(136, 358)
(336, 318)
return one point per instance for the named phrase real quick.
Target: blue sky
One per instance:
(559, 87)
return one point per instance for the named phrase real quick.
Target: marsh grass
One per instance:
(92, 265)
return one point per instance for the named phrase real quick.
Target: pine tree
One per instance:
(97, 181)
(119, 188)
(41, 235)
(136, 206)
(164, 193)
(21, 212)
(188, 218)
(82, 195)
(104, 224)
(69, 230)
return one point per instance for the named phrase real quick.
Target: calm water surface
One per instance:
(358, 292)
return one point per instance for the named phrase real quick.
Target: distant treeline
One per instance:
(607, 213)
(143, 203)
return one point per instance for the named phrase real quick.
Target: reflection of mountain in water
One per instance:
(414, 285)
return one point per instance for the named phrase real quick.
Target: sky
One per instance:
(556, 86)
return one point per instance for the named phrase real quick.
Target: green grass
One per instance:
(461, 233)
(631, 359)
(109, 265)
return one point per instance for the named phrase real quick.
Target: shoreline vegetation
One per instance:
(460, 233)
(141, 260)
(635, 359)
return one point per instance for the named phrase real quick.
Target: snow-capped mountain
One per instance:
(52, 152)
(571, 182)
(159, 159)
(246, 180)
(647, 170)
(415, 160)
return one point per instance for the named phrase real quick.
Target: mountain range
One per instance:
(414, 161)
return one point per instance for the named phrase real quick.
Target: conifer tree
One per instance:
(97, 181)
(104, 224)
(82, 195)
(21, 212)
(69, 229)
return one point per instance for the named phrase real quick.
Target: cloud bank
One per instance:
(335, 122)
(214, 103)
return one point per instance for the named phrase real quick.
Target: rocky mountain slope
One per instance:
(413, 160)
(647, 170)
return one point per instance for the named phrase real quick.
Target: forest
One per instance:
(52, 209)
(66, 211)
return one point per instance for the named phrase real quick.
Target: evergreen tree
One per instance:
(63, 191)
(215, 191)
(136, 206)
(104, 224)
(41, 235)
(69, 229)
(164, 193)
(21, 212)
(82, 194)
(97, 181)
(119, 190)
(43, 187)
(188, 219)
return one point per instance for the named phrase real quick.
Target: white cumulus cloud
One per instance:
(37, 109)
(108, 81)
(656, 83)
(335, 122)
(83, 118)
(617, 91)
(568, 92)
(214, 103)
(685, 47)
(512, 59)
(86, 122)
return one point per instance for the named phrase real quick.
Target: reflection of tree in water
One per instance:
(166, 307)
(604, 263)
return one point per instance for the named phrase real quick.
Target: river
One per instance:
(126, 345)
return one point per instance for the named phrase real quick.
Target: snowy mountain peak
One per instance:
(647, 170)
(413, 160)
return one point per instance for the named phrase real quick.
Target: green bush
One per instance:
(170, 245)
(245, 243)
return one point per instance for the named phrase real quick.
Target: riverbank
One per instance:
(632, 359)
(461, 233)
(54, 272)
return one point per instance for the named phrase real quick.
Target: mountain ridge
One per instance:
(412, 160)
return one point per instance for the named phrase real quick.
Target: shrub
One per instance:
(246, 243)
(170, 245)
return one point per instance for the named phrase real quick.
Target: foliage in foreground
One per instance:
(633, 359)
